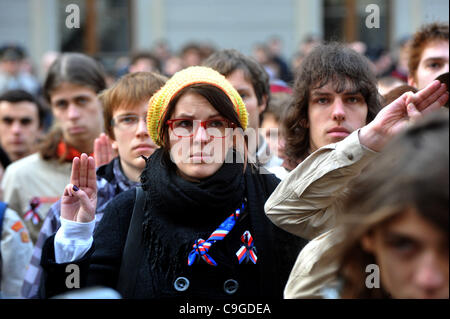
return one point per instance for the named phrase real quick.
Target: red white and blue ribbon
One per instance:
(32, 212)
(248, 250)
(201, 246)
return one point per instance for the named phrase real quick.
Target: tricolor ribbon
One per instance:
(248, 250)
(32, 211)
(201, 246)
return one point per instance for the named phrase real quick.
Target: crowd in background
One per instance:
(103, 93)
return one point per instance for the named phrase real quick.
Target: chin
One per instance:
(199, 171)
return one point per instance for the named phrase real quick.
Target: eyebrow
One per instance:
(190, 116)
(8, 117)
(127, 113)
(431, 58)
(243, 89)
(73, 97)
(322, 93)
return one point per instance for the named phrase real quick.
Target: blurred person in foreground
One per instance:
(395, 227)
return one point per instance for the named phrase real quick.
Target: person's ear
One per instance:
(263, 105)
(411, 81)
(368, 243)
(114, 145)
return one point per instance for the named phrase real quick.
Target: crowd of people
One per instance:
(216, 174)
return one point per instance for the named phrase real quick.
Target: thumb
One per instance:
(413, 113)
(87, 209)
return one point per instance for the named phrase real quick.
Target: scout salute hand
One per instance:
(79, 200)
(395, 116)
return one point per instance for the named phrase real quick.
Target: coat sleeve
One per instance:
(306, 201)
(100, 266)
(16, 249)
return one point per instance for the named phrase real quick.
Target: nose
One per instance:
(200, 134)
(429, 276)
(338, 110)
(16, 128)
(141, 129)
(73, 112)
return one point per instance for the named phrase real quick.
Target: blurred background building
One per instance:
(110, 29)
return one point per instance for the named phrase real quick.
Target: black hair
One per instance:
(16, 96)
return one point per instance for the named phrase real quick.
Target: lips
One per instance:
(142, 146)
(144, 149)
(200, 156)
(17, 142)
(77, 130)
(338, 131)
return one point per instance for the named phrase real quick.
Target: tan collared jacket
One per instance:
(308, 203)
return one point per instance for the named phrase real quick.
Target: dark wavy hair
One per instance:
(328, 63)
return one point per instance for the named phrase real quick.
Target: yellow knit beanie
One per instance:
(192, 75)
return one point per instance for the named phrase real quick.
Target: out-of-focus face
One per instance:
(11, 67)
(201, 155)
(412, 255)
(131, 138)
(79, 113)
(19, 128)
(245, 89)
(270, 126)
(433, 62)
(143, 65)
(333, 116)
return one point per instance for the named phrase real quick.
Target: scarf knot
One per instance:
(201, 246)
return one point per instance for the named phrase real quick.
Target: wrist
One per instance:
(371, 137)
(80, 230)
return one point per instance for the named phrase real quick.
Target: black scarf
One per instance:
(207, 202)
(178, 212)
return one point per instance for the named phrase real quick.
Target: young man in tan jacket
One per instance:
(338, 133)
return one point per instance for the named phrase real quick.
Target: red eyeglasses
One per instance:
(216, 128)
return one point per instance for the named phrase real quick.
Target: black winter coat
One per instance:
(161, 270)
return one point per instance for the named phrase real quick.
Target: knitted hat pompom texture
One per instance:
(159, 102)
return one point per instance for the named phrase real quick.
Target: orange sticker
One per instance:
(24, 236)
(17, 226)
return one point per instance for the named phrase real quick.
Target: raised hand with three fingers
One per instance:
(79, 200)
(103, 150)
(396, 116)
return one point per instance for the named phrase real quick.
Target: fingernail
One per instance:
(75, 188)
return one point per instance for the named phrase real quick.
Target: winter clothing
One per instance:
(110, 182)
(177, 214)
(197, 74)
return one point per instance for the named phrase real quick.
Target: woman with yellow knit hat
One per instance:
(198, 228)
